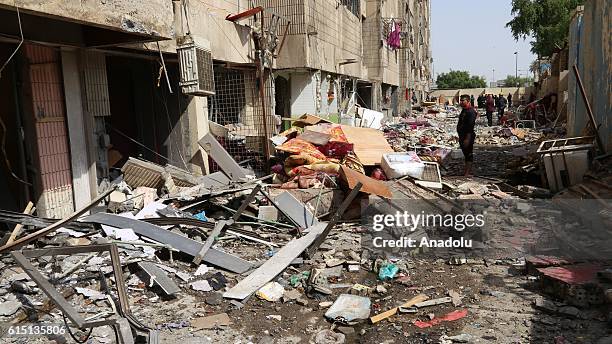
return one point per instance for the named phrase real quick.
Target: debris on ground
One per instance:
(186, 254)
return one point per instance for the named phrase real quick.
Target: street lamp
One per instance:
(493, 74)
(516, 68)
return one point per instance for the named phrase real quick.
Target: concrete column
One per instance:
(77, 135)
(197, 110)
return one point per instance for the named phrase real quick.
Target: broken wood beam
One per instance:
(220, 226)
(587, 104)
(17, 230)
(384, 315)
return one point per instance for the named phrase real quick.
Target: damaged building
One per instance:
(275, 171)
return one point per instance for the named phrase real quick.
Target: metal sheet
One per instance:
(160, 277)
(296, 210)
(222, 157)
(176, 241)
(274, 265)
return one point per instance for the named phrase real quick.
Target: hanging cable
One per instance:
(185, 5)
(138, 143)
(18, 45)
(161, 57)
(72, 334)
(5, 156)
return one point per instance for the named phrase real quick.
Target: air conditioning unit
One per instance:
(196, 66)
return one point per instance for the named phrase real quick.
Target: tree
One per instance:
(459, 79)
(547, 21)
(512, 81)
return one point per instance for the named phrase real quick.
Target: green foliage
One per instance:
(547, 21)
(459, 79)
(512, 81)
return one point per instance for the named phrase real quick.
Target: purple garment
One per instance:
(394, 36)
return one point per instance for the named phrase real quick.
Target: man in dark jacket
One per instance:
(501, 106)
(481, 101)
(465, 131)
(509, 100)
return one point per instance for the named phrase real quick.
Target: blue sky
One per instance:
(471, 35)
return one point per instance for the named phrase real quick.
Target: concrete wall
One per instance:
(148, 17)
(309, 93)
(231, 42)
(591, 50)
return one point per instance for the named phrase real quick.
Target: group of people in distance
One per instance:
(491, 103)
(467, 120)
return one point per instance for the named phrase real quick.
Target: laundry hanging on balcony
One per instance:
(394, 38)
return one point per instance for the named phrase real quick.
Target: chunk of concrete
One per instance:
(9, 307)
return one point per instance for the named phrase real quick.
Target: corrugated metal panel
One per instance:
(95, 84)
(590, 48)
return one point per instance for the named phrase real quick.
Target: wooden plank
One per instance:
(275, 265)
(370, 185)
(28, 210)
(592, 120)
(209, 241)
(384, 315)
(369, 144)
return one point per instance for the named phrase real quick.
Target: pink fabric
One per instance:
(394, 36)
(448, 317)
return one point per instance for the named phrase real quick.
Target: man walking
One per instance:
(490, 107)
(465, 131)
(509, 100)
(501, 105)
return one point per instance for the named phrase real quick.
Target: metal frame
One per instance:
(70, 312)
(432, 184)
(551, 149)
(42, 232)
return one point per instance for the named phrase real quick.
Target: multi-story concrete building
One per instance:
(88, 84)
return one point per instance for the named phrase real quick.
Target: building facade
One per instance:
(91, 84)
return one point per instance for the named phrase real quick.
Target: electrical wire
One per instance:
(185, 5)
(20, 42)
(72, 334)
(6, 159)
(136, 142)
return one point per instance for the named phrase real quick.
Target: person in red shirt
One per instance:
(490, 107)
